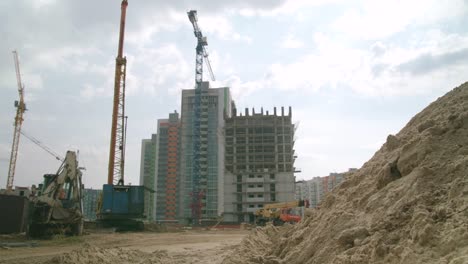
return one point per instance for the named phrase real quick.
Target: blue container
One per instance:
(123, 201)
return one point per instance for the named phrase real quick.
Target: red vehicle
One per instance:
(279, 213)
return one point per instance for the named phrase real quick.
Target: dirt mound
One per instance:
(96, 255)
(408, 204)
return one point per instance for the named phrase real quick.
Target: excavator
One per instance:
(57, 206)
(279, 213)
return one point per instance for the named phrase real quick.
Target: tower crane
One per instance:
(198, 175)
(117, 141)
(20, 109)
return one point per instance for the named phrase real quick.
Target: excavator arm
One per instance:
(59, 202)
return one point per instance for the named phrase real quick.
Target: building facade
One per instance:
(215, 104)
(167, 156)
(148, 174)
(259, 162)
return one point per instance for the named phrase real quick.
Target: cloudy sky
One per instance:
(353, 72)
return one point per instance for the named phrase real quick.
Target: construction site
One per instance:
(221, 185)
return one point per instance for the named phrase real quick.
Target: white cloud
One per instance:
(32, 82)
(291, 42)
(160, 69)
(221, 26)
(376, 71)
(381, 19)
(42, 3)
(288, 7)
(65, 58)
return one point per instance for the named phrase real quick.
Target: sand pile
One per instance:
(96, 255)
(408, 204)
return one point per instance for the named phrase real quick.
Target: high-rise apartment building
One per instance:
(259, 161)
(215, 105)
(167, 160)
(148, 174)
(315, 189)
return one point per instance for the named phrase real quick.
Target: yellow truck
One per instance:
(279, 213)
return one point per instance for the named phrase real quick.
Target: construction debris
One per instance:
(407, 204)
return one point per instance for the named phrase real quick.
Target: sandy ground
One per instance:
(178, 247)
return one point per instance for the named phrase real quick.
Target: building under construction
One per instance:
(215, 103)
(259, 162)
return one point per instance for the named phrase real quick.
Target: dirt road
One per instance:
(144, 247)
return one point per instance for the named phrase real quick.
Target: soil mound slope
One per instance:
(407, 204)
(96, 255)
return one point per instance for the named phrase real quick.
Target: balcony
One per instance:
(255, 200)
(256, 189)
(259, 180)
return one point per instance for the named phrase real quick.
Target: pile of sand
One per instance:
(408, 204)
(96, 255)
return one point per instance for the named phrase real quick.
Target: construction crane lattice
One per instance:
(199, 167)
(117, 141)
(20, 109)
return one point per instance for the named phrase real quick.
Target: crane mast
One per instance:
(117, 141)
(199, 175)
(20, 109)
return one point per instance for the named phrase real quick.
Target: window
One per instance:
(251, 186)
(240, 130)
(272, 176)
(251, 196)
(259, 176)
(260, 196)
(260, 185)
(251, 176)
(251, 206)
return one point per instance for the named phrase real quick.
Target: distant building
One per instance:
(315, 189)
(215, 104)
(90, 200)
(148, 175)
(22, 191)
(259, 162)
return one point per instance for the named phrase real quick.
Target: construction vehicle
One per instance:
(121, 206)
(58, 205)
(279, 213)
(20, 109)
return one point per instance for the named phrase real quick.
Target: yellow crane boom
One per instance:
(20, 109)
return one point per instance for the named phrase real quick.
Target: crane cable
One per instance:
(39, 143)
